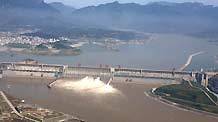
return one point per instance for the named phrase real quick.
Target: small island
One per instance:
(56, 41)
(62, 47)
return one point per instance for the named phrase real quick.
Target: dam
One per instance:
(56, 71)
(20, 69)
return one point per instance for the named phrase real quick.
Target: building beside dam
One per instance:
(213, 84)
(1, 72)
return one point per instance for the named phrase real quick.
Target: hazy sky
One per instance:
(82, 3)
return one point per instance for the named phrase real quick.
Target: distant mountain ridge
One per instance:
(26, 12)
(155, 17)
(165, 3)
(188, 17)
(28, 4)
(62, 7)
(152, 8)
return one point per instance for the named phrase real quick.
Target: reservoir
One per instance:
(165, 51)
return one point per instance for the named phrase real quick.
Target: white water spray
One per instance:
(88, 84)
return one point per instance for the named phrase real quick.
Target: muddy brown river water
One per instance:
(130, 104)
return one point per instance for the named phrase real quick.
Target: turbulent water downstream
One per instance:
(87, 84)
(130, 105)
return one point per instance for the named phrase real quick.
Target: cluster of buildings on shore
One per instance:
(15, 37)
(18, 37)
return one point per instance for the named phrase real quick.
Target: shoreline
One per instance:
(31, 116)
(188, 62)
(62, 52)
(178, 106)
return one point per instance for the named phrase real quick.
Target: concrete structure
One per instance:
(10, 69)
(87, 71)
(141, 73)
(1, 73)
(202, 77)
(31, 70)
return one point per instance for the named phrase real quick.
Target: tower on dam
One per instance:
(202, 78)
(1, 74)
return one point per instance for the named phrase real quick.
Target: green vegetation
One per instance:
(203, 88)
(61, 45)
(69, 52)
(92, 33)
(41, 47)
(186, 95)
(18, 45)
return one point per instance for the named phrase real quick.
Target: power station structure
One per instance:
(34, 69)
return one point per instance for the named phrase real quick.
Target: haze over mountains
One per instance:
(24, 4)
(25, 12)
(64, 9)
(153, 17)
(157, 17)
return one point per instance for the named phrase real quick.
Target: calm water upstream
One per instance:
(164, 52)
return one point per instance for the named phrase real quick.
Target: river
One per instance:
(131, 104)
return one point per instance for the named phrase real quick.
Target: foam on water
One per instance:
(88, 84)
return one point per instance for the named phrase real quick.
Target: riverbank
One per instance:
(13, 109)
(188, 62)
(187, 97)
(179, 106)
(49, 52)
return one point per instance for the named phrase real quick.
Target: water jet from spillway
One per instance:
(88, 84)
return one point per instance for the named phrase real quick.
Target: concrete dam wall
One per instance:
(55, 71)
(10, 73)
